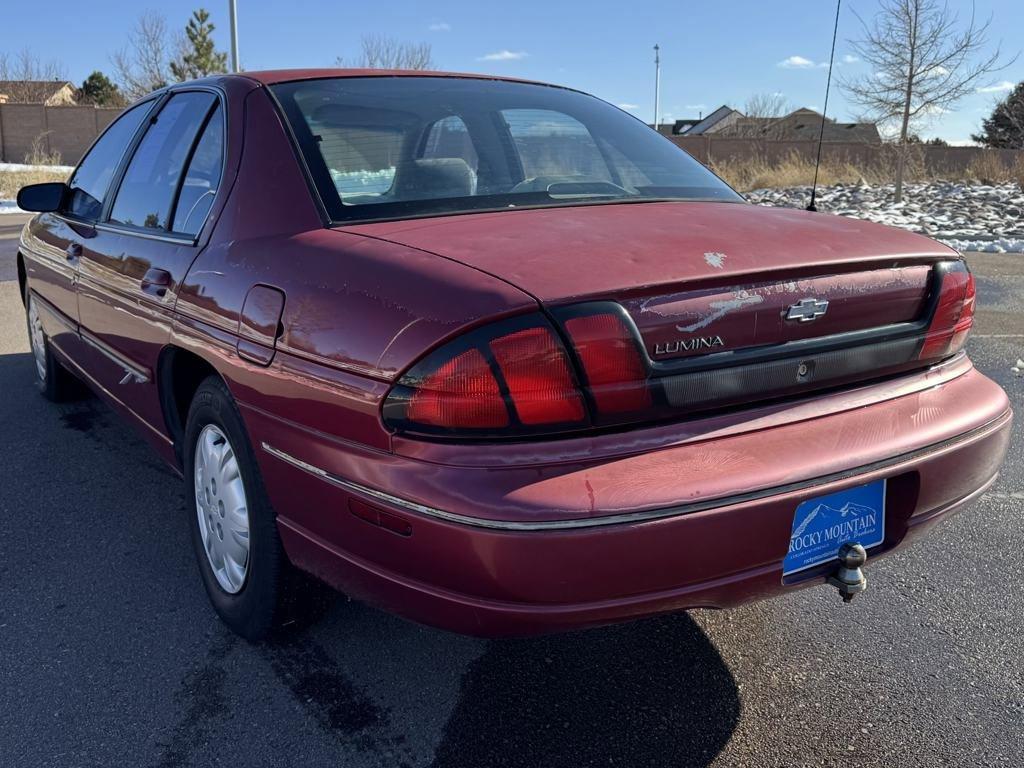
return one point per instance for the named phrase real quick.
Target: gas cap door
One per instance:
(259, 325)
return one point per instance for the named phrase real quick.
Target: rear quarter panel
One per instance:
(357, 310)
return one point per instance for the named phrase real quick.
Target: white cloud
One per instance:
(1002, 87)
(849, 58)
(796, 62)
(440, 26)
(504, 55)
(962, 143)
(697, 107)
(628, 106)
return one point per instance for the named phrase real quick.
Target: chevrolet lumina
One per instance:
(496, 356)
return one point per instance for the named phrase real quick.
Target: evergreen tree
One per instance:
(200, 57)
(1005, 128)
(99, 90)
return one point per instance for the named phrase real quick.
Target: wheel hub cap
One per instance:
(221, 508)
(37, 339)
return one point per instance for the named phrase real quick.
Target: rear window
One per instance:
(416, 146)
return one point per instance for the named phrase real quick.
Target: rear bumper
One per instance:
(480, 574)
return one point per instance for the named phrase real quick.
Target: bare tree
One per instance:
(767, 105)
(143, 65)
(25, 67)
(761, 116)
(923, 61)
(382, 52)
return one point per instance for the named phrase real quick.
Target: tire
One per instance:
(220, 474)
(52, 379)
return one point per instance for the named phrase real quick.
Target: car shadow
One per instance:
(650, 693)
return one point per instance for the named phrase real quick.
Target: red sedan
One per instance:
(496, 356)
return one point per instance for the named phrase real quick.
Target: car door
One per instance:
(130, 272)
(53, 242)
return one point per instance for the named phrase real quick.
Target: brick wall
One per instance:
(67, 130)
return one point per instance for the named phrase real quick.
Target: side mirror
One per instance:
(41, 198)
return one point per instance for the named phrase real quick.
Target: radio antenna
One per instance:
(824, 112)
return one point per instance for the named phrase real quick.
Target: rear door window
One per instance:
(553, 146)
(202, 178)
(91, 179)
(147, 191)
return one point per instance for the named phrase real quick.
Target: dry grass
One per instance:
(989, 168)
(38, 154)
(12, 181)
(794, 171)
(1017, 172)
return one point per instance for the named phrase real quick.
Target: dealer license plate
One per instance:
(822, 525)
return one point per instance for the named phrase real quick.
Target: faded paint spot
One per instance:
(715, 259)
(720, 309)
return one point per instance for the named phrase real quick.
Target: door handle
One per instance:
(73, 251)
(156, 281)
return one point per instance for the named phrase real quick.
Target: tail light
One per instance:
(608, 355)
(954, 314)
(509, 378)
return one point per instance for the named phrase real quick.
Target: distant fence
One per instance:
(710, 149)
(70, 131)
(67, 130)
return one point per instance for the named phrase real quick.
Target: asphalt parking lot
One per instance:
(111, 655)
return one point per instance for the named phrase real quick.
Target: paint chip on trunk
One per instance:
(716, 260)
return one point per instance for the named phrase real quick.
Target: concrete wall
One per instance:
(67, 130)
(940, 160)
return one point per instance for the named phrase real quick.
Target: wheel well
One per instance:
(22, 277)
(179, 373)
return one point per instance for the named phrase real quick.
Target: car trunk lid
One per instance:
(617, 251)
(727, 303)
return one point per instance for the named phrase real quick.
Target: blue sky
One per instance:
(712, 52)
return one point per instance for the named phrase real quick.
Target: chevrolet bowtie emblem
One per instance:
(806, 310)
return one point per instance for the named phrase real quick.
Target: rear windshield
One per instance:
(392, 147)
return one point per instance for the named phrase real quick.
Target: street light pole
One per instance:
(235, 66)
(657, 85)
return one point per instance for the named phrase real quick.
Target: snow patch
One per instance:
(15, 167)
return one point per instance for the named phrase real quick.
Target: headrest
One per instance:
(435, 177)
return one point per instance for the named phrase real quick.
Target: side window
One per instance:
(147, 190)
(553, 144)
(447, 139)
(202, 178)
(92, 177)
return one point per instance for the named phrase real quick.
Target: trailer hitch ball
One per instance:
(849, 579)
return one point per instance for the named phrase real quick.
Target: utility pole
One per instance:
(235, 65)
(657, 85)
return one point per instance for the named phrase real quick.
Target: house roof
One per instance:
(702, 125)
(803, 124)
(32, 91)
